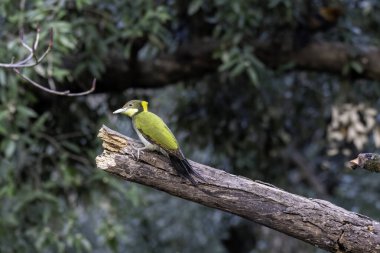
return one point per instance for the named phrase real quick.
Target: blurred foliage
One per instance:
(242, 118)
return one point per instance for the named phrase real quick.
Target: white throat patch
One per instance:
(130, 112)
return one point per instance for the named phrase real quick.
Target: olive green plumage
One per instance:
(155, 130)
(155, 135)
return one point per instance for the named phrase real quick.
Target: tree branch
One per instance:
(332, 57)
(367, 161)
(306, 169)
(32, 60)
(189, 62)
(196, 59)
(25, 63)
(315, 221)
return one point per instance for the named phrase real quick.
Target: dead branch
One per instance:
(32, 60)
(366, 161)
(315, 221)
(27, 63)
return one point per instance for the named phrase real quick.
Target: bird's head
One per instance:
(133, 107)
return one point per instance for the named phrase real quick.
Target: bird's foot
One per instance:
(127, 151)
(138, 151)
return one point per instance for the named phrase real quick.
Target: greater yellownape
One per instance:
(155, 135)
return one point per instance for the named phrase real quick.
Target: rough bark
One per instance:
(194, 60)
(315, 221)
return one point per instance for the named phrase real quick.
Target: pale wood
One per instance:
(314, 221)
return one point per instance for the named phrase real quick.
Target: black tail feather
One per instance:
(192, 171)
(184, 169)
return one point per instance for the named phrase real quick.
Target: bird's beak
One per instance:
(119, 111)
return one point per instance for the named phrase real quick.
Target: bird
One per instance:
(156, 136)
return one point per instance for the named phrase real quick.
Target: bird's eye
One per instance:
(130, 105)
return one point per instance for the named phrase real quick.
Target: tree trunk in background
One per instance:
(194, 60)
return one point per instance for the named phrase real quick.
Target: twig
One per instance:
(307, 170)
(84, 92)
(32, 60)
(25, 63)
(61, 93)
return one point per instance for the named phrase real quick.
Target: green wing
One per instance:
(155, 130)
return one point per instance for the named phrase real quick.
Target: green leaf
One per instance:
(38, 125)
(26, 111)
(82, 243)
(10, 148)
(228, 62)
(60, 74)
(253, 76)
(3, 114)
(3, 77)
(357, 67)
(194, 6)
(66, 42)
(3, 130)
(238, 69)
(256, 62)
(33, 196)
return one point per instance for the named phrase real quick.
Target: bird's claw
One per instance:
(131, 153)
(138, 151)
(126, 151)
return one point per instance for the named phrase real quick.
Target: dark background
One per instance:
(227, 78)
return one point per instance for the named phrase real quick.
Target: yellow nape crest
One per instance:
(144, 105)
